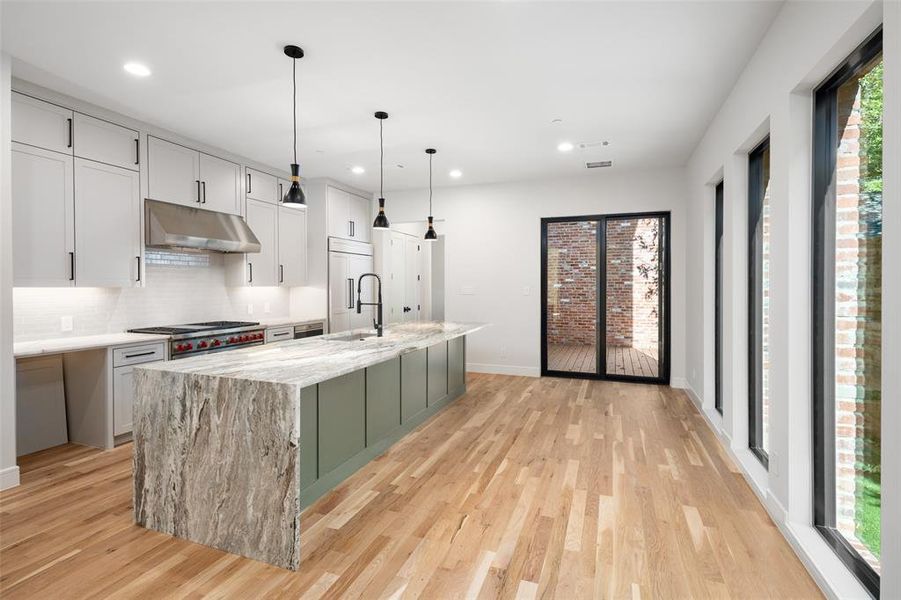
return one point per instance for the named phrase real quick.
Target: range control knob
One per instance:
(188, 346)
(179, 347)
(202, 344)
(216, 342)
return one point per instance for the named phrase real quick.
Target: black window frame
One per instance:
(756, 192)
(823, 251)
(718, 297)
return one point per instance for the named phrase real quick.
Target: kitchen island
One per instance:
(228, 448)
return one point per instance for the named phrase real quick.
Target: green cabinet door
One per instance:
(342, 419)
(382, 400)
(413, 390)
(437, 372)
(309, 435)
(456, 364)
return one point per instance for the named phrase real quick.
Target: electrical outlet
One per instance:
(66, 323)
(266, 308)
(250, 309)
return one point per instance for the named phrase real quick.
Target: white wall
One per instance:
(9, 472)
(493, 247)
(773, 95)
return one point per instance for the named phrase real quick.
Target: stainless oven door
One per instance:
(308, 330)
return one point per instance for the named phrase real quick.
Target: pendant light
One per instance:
(430, 234)
(295, 194)
(381, 221)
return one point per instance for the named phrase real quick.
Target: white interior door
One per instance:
(395, 279)
(107, 224)
(412, 279)
(43, 217)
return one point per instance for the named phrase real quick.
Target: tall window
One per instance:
(847, 307)
(759, 299)
(718, 301)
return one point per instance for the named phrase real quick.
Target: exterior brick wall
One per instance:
(858, 318)
(632, 297)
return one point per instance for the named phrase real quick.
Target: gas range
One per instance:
(212, 336)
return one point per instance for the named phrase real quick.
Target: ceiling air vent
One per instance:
(598, 164)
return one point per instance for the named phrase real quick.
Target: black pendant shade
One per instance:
(295, 193)
(381, 221)
(430, 235)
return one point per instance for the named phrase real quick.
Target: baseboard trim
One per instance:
(503, 369)
(680, 383)
(9, 477)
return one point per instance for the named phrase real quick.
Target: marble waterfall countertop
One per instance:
(308, 361)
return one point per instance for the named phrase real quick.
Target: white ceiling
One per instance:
(481, 82)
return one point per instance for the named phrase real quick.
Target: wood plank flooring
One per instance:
(523, 488)
(621, 360)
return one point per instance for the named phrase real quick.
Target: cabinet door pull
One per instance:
(137, 354)
(248, 183)
(70, 133)
(71, 266)
(281, 273)
(250, 264)
(281, 192)
(138, 258)
(197, 181)
(350, 292)
(137, 151)
(203, 185)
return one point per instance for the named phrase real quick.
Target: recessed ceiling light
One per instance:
(137, 69)
(358, 170)
(557, 121)
(456, 173)
(565, 146)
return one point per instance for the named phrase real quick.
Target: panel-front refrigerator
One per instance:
(347, 261)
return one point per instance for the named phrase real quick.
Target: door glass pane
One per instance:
(759, 300)
(858, 310)
(634, 300)
(572, 303)
(718, 298)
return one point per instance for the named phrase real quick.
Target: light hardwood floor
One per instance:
(523, 488)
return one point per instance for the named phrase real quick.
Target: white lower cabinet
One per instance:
(124, 362)
(43, 217)
(108, 225)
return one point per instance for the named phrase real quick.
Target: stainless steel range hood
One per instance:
(170, 225)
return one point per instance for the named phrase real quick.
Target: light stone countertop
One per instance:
(82, 342)
(280, 321)
(308, 361)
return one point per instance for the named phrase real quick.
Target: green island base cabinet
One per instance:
(347, 421)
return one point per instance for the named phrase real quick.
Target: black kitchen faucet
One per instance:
(377, 322)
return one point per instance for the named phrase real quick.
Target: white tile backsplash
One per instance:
(181, 287)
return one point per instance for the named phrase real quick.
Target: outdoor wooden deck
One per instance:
(621, 360)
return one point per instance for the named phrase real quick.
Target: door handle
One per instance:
(70, 133)
(281, 273)
(248, 183)
(353, 229)
(250, 264)
(71, 266)
(350, 230)
(137, 151)
(197, 181)
(203, 185)
(138, 258)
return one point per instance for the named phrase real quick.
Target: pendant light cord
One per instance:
(430, 184)
(381, 159)
(294, 100)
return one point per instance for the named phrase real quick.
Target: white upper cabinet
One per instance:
(292, 245)
(173, 172)
(43, 217)
(38, 123)
(262, 186)
(108, 225)
(106, 142)
(220, 184)
(348, 215)
(360, 218)
(262, 267)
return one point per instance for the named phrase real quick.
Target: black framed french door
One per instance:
(605, 297)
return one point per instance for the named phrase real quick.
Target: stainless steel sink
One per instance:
(352, 337)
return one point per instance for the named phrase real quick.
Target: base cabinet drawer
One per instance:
(342, 419)
(413, 391)
(382, 400)
(279, 334)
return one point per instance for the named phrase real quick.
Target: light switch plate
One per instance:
(66, 323)
(467, 290)
(526, 290)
